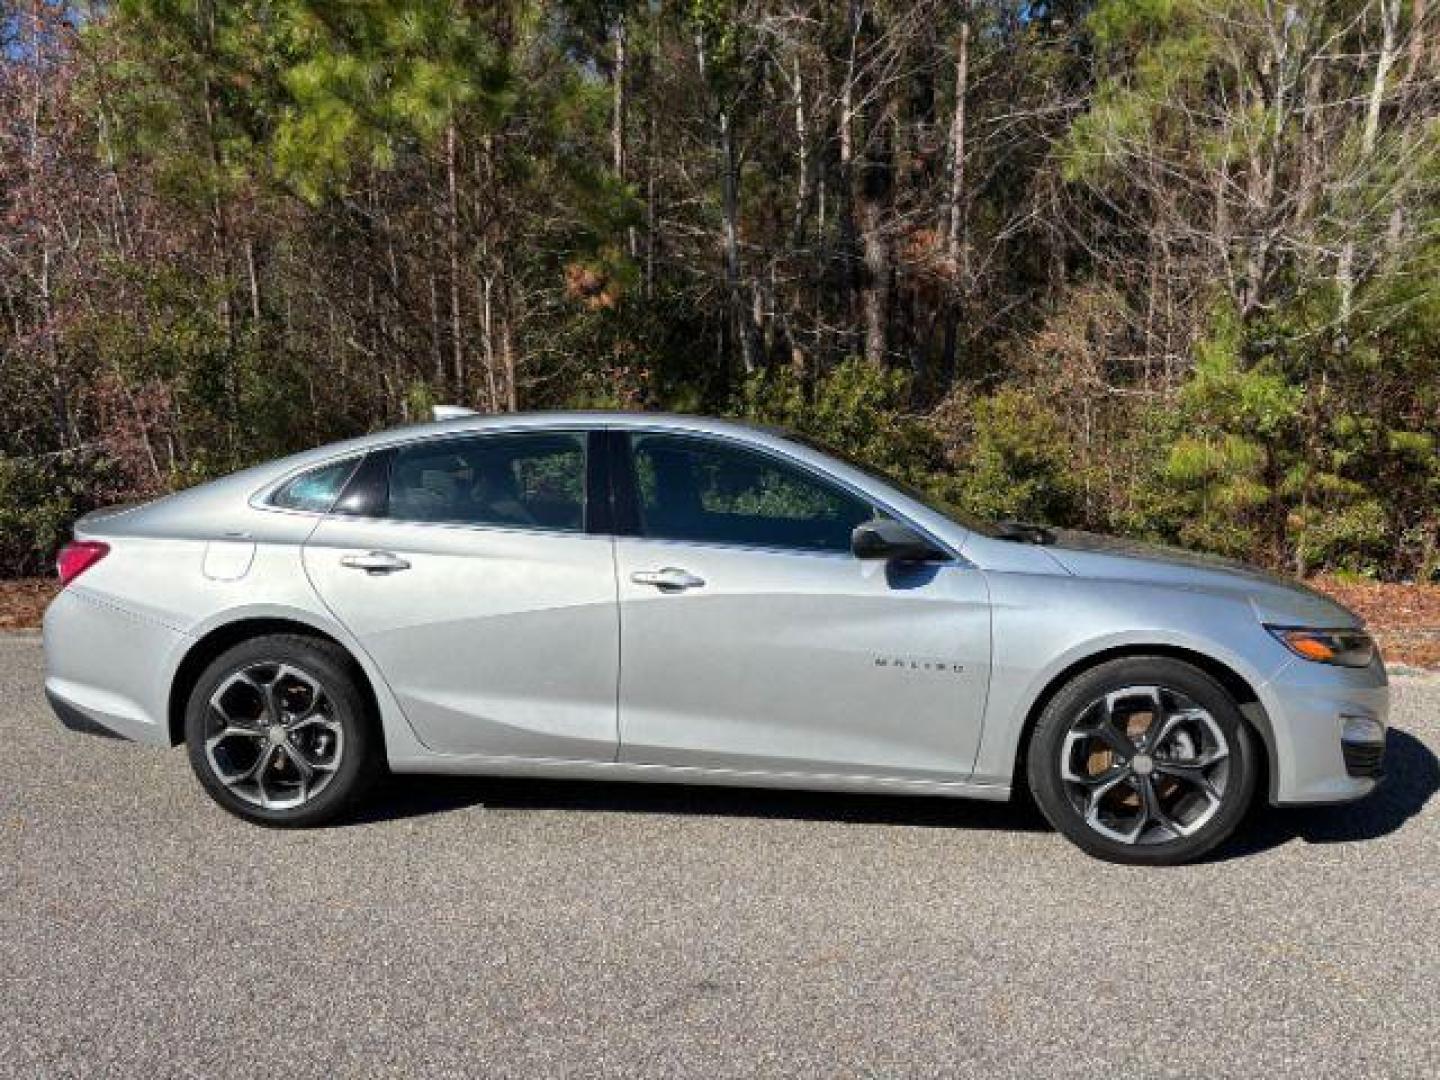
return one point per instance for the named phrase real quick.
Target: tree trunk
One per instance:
(957, 149)
(651, 216)
(487, 341)
(875, 283)
(1345, 271)
(956, 249)
(61, 394)
(876, 188)
(452, 228)
(619, 109)
(617, 116)
(802, 158)
(730, 198)
(1420, 32)
(507, 355)
(846, 210)
(1409, 103)
(254, 279)
(437, 353)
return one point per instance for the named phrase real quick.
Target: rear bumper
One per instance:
(108, 668)
(76, 719)
(1308, 705)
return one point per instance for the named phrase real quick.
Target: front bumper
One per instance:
(1327, 728)
(1363, 759)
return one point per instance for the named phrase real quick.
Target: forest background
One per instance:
(1166, 268)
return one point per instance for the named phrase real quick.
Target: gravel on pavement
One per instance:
(506, 928)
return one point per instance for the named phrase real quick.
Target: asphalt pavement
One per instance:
(508, 928)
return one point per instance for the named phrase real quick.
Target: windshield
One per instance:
(961, 517)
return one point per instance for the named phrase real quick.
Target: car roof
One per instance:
(553, 420)
(560, 418)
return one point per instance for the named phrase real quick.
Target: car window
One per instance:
(716, 492)
(944, 507)
(316, 489)
(532, 480)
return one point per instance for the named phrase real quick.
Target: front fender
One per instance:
(1047, 628)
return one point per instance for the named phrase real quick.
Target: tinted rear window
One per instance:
(530, 480)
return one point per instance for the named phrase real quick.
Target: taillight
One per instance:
(77, 557)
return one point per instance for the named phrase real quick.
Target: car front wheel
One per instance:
(279, 732)
(1143, 760)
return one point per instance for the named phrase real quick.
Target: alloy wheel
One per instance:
(1145, 765)
(271, 735)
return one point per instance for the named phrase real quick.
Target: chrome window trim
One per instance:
(760, 549)
(531, 530)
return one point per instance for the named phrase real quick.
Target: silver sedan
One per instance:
(653, 598)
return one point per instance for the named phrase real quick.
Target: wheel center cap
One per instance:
(276, 733)
(1143, 764)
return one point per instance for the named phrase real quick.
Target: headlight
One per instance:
(1346, 648)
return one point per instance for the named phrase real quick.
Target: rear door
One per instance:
(468, 570)
(752, 639)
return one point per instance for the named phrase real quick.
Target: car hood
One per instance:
(1277, 600)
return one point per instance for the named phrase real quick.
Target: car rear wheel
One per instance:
(278, 731)
(1143, 760)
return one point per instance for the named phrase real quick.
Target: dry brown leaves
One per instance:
(22, 602)
(1404, 618)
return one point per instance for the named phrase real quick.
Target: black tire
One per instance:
(347, 713)
(1075, 707)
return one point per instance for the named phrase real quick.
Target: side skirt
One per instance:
(561, 769)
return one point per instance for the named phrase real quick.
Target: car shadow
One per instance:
(419, 796)
(1412, 778)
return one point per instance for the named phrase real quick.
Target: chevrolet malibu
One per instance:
(650, 598)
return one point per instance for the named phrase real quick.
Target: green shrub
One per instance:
(1019, 463)
(857, 408)
(40, 498)
(1355, 538)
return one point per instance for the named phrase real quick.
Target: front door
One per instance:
(752, 639)
(463, 567)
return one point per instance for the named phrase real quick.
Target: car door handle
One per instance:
(670, 579)
(375, 562)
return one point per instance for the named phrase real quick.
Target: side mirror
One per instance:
(893, 541)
